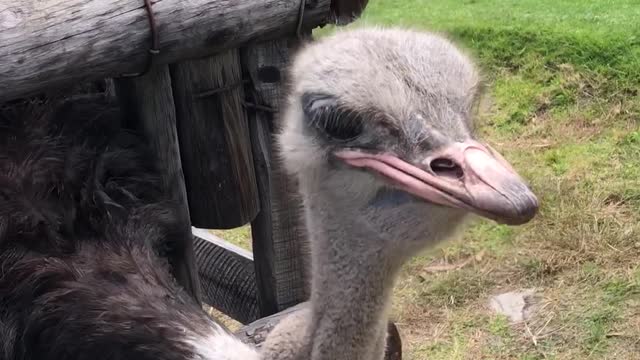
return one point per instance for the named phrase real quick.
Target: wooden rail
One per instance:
(47, 44)
(227, 277)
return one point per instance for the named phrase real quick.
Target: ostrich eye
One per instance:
(339, 124)
(334, 121)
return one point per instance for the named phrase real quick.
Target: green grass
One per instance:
(563, 105)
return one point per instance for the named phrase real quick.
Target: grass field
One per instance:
(563, 105)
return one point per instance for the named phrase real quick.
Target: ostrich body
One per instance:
(378, 131)
(85, 226)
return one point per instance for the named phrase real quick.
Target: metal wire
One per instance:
(155, 40)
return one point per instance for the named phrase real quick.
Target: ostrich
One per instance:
(378, 132)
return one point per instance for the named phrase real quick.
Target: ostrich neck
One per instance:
(351, 284)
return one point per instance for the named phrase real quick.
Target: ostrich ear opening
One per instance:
(332, 120)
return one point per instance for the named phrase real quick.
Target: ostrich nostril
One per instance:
(446, 168)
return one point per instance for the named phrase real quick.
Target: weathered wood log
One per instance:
(148, 106)
(214, 141)
(227, 278)
(279, 237)
(256, 332)
(49, 43)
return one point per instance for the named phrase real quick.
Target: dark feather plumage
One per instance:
(84, 223)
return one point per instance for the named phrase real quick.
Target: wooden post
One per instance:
(279, 238)
(47, 44)
(261, 226)
(148, 105)
(214, 141)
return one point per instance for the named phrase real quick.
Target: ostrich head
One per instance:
(380, 126)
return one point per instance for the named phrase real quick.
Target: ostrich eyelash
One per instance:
(334, 121)
(339, 124)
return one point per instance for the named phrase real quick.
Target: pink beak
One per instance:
(465, 175)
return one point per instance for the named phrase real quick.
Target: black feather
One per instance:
(84, 219)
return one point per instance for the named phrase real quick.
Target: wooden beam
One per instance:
(49, 43)
(148, 106)
(227, 278)
(279, 237)
(214, 141)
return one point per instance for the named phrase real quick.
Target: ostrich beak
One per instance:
(466, 175)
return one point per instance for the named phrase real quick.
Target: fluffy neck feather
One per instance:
(352, 282)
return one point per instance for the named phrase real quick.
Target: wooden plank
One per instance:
(214, 141)
(227, 278)
(148, 106)
(256, 332)
(279, 237)
(50, 43)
